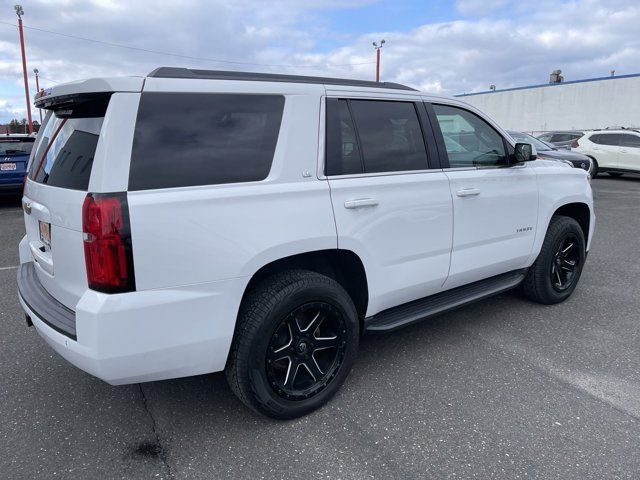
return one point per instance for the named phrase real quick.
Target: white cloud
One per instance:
(479, 7)
(584, 38)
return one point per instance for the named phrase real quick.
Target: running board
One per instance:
(408, 313)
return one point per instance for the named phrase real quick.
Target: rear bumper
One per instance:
(146, 335)
(42, 305)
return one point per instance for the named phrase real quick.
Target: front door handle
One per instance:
(361, 202)
(468, 192)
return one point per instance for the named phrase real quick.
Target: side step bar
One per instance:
(408, 313)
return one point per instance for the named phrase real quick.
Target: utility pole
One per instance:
(377, 49)
(20, 12)
(35, 70)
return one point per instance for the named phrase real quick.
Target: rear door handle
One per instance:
(361, 202)
(468, 192)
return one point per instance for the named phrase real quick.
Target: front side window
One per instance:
(469, 140)
(188, 139)
(628, 140)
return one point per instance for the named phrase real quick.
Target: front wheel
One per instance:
(295, 342)
(555, 274)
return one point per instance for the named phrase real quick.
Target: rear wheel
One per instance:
(555, 274)
(296, 340)
(615, 174)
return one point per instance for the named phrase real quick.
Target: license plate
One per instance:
(7, 166)
(45, 233)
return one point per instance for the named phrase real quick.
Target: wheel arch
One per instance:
(343, 266)
(580, 212)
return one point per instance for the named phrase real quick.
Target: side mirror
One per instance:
(525, 152)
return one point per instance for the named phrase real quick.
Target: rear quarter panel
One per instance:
(209, 233)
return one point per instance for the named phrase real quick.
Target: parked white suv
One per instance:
(615, 151)
(197, 221)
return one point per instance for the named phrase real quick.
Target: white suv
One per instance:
(615, 151)
(197, 221)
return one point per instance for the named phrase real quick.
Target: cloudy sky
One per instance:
(444, 47)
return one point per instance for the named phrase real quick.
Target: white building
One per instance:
(573, 105)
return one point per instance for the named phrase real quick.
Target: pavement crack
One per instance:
(158, 449)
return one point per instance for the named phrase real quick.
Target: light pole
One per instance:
(377, 48)
(35, 70)
(20, 12)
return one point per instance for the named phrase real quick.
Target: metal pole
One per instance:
(20, 12)
(378, 47)
(35, 70)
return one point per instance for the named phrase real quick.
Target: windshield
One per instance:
(523, 137)
(16, 146)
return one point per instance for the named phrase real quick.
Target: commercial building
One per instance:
(573, 105)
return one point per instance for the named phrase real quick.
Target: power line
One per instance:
(189, 57)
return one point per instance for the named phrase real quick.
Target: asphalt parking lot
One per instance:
(501, 389)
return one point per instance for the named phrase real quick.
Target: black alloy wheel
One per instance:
(566, 262)
(554, 275)
(295, 342)
(306, 350)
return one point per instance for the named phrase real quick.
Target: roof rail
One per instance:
(175, 72)
(631, 129)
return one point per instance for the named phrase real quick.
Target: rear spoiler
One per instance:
(57, 97)
(76, 105)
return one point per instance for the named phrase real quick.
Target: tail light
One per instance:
(575, 144)
(107, 242)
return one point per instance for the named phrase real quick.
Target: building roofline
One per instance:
(174, 72)
(631, 75)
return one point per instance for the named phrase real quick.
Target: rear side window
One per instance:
(188, 139)
(373, 136)
(343, 152)
(611, 139)
(390, 136)
(64, 155)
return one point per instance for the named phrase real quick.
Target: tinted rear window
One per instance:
(65, 151)
(187, 139)
(15, 146)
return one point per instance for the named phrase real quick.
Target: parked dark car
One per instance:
(14, 155)
(548, 151)
(561, 139)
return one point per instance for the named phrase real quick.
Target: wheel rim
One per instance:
(565, 263)
(306, 350)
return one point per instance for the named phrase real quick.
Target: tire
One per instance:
(541, 283)
(594, 167)
(615, 174)
(265, 330)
